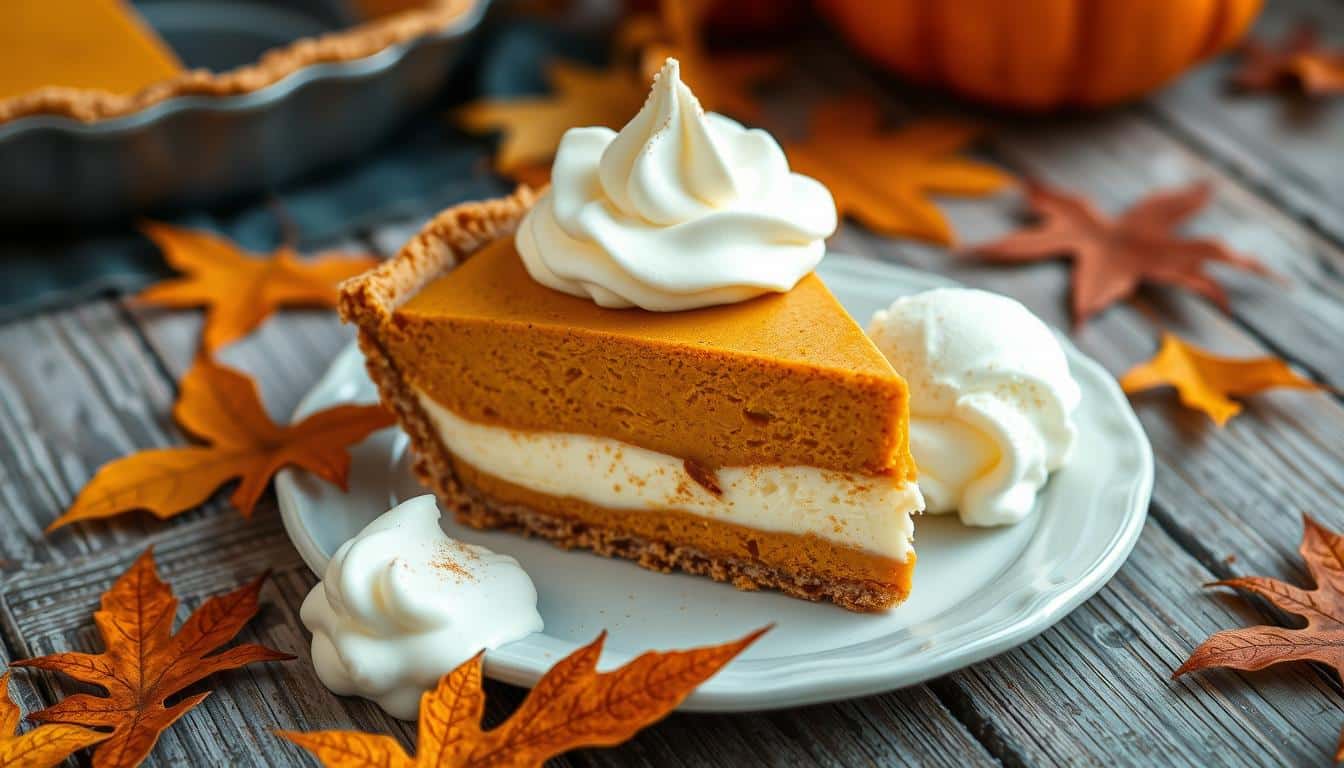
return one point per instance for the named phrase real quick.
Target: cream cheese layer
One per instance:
(865, 512)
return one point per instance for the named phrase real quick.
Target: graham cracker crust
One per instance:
(358, 42)
(454, 235)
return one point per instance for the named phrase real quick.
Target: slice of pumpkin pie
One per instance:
(641, 363)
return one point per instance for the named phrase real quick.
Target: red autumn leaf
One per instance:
(143, 663)
(1112, 257)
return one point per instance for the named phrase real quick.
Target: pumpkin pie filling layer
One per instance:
(784, 379)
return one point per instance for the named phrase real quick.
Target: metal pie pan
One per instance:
(198, 150)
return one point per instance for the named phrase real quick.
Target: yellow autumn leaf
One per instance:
(884, 178)
(1205, 382)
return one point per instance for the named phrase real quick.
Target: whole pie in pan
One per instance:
(97, 59)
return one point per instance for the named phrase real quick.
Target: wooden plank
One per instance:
(77, 389)
(910, 727)
(1206, 498)
(1289, 149)
(1104, 666)
(50, 608)
(1117, 158)
(287, 355)
(1218, 493)
(1297, 466)
(1094, 689)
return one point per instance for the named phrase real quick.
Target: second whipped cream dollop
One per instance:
(991, 399)
(680, 210)
(401, 604)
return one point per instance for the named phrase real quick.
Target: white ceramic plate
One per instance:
(976, 592)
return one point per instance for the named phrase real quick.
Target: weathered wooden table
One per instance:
(82, 386)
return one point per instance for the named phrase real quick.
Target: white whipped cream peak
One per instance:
(681, 209)
(991, 399)
(401, 604)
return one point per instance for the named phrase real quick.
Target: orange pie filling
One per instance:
(762, 443)
(855, 527)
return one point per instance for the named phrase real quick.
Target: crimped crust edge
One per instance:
(367, 39)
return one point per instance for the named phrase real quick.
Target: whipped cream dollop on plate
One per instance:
(401, 604)
(991, 399)
(681, 209)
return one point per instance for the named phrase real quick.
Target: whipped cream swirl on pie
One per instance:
(401, 604)
(681, 209)
(991, 400)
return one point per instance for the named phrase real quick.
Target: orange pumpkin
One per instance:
(1041, 54)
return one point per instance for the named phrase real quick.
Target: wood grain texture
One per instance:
(49, 609)
(288, 354)
(83, 386)
(1220, 494)
(77, 389)
(1287, 147)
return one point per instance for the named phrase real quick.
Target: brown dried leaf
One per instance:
(1299, 60)
(1112, 257)
(1321, 640)
(144, 663)
(1205, 381)
(572, 706)
(240, 290)
(221, 407)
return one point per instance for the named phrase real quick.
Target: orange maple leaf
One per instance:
(237, 289)
(883, 179)
(1319, 75)
(42, 747)
(1299, 60)
(533, 126)
(1112, 257)
(221, 406)
(1321, 640)
(722, 82)
(572, 706)
(144, 663)
(1204, 381)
